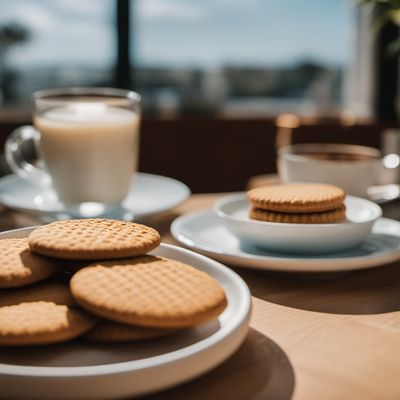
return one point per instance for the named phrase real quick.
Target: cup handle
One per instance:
(16, 160)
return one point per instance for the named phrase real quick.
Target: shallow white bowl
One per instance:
(361, 215)
(83, 370)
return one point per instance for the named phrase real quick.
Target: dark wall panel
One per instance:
(221, 155)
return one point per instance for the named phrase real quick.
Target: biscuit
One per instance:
(19, 266)
(55, 292)
(113, 332)
(41, 323)
(297, 197)
(325, 217)
(149, 291)
(93, 239)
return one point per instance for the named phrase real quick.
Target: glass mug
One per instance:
(87, 140)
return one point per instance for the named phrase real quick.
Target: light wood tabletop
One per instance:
(311, 337)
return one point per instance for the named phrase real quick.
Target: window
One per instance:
(242, 57)
(54, 43)
(228, 58)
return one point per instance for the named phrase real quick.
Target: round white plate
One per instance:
(80, 370)
(149, 194)
(203, 232)
(299, 238)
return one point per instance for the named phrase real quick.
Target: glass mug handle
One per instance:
(16, 160)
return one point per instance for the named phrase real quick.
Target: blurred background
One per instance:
(219, 78)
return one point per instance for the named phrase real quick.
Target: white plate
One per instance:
(299, 238)
(203, 232)
(80, 370)
(149, 195)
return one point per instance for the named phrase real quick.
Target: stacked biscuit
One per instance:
(298, 203)
(117, 291)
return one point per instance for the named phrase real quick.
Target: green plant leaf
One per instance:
(394, 16)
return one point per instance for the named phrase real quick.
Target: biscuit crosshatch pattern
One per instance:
(93, 239)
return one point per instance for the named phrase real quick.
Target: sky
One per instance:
(207, 33)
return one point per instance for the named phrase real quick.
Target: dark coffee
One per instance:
(336, 156)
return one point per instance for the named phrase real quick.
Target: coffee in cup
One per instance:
(353, 168)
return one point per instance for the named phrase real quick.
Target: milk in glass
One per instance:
(90, 150)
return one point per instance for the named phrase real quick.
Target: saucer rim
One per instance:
(288, 264)
(13, 179)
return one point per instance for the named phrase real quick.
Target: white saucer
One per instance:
(149, 195)
(203, 232)
(81, 370)
(299, 238)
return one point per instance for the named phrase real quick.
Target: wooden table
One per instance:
(318, 337)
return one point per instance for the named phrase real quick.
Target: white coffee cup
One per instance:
(87, 140)
(353, 168)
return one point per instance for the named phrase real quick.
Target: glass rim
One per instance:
(298, 149)
(62, 94)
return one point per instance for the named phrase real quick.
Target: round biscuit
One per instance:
(38, 323)
(324, 217)
(149, 291)
(114, 332)
(93, 239)
(297, 197)
(55, 292)
(19, 266)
